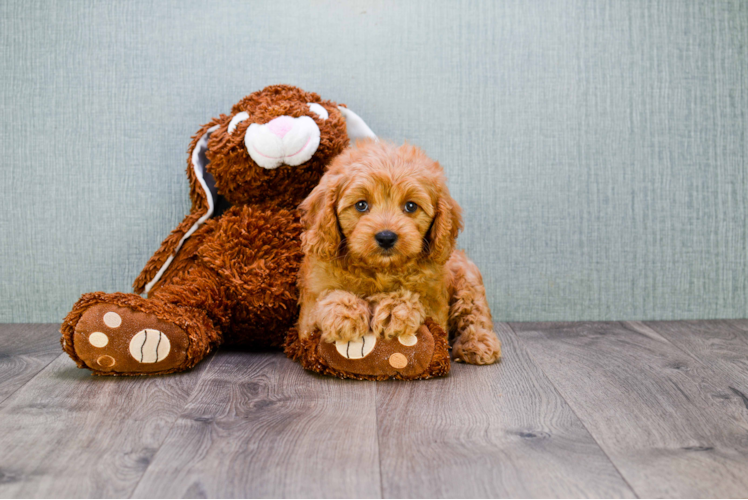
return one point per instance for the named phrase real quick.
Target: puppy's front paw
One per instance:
(477, 346)
(342, 316)
(396, 314)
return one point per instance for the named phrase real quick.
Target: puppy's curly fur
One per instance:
(351, 283)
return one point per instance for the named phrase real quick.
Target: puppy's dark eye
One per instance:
(362, 206)
(410, 207)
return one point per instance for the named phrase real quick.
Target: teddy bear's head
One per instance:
(273, 148)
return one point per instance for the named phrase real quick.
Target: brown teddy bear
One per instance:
(227, 274)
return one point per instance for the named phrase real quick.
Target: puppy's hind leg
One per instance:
(469, 315)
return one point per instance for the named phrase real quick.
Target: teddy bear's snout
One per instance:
(280, 126)
(285, 140)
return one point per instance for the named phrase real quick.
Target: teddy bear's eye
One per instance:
(318, 110)
(236, 120)
(362, 206)
(410, 207)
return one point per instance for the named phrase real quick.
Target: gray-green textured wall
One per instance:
(597, 147)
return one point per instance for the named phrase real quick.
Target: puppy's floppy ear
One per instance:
(321, 235)
(447, 223)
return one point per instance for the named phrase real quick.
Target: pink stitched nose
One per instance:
(280, 126)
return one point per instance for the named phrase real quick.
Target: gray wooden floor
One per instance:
(574, 410)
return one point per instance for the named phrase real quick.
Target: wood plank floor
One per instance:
(655, 409)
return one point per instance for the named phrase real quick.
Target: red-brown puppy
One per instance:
(379, 240)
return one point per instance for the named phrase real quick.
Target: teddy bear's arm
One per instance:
(167, 249)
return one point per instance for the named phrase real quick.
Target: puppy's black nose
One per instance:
(386, 239)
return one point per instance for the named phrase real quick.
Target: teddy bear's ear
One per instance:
(357, 127)
(202, 185)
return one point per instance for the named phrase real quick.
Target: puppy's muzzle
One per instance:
(386, 239)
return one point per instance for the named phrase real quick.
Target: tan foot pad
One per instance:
(408, 356)
(110, 338)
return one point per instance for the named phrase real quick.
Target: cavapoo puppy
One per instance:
(380, 232)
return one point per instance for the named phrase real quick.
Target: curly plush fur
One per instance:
(349, 283)
(233, 281)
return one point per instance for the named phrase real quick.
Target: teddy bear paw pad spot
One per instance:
(356, 349)
(398, 361)
(98, 339)
(112, 319)
(150, 346)
(408, 340)
(106, 361)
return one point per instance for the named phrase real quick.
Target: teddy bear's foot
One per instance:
(421, 355)
(128, 335)
(109, 338)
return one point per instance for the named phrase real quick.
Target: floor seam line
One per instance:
(379, 447)
(719, 375)
(693, 356)
(6, 398)
(581, 421)
(166, 435)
